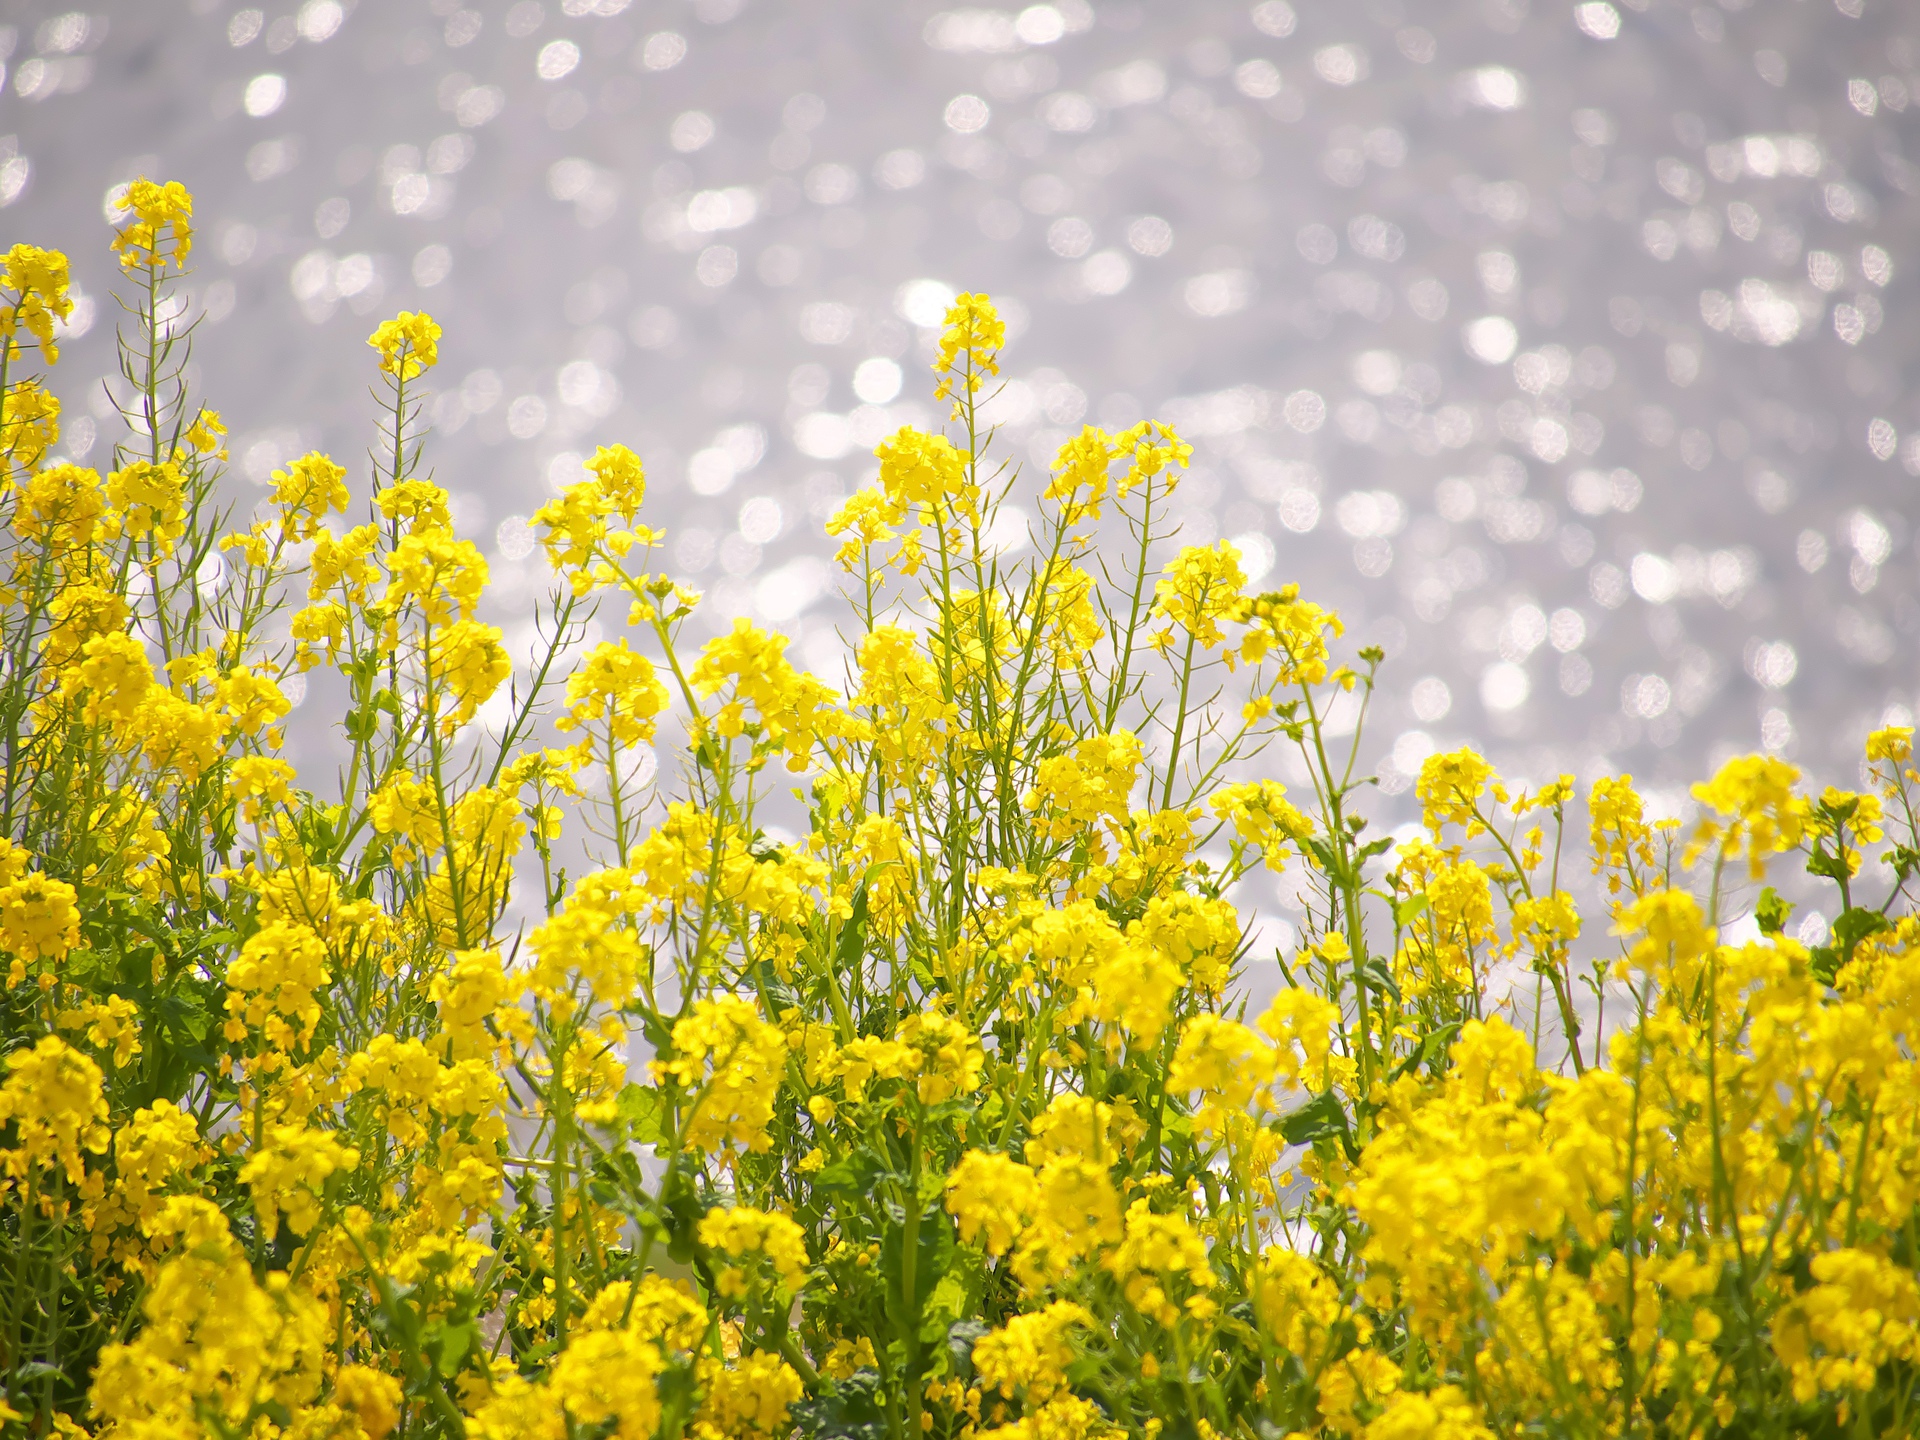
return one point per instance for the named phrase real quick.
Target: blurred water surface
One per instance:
(1567, 349)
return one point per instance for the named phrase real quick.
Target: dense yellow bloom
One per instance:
(1029, 1355)
(161, 211)
(343, 561)
(272, 984)
(1082, 472)
(1158, 1254)
(991, 1196)
(1153, 450)
(473, 663)
(153, 1148)
(288, 1175)
(206, 433)
(1076, 1216)
(1301, 1024)
(1198, 934)
(53, 1103)
(614, 687)
(1296, 633)
(730, 1062)
(865, 518)
(1089, 785)
(79, 613)
(29, 422)
(113, 675)
(1862, 1312)
(623, 479)
(217, 1342)
(421, 504)
(1227, 1062)
(1891, 742)
(1200, 588)
(584, 948)
(1621, 837)
(408, 344)
(409, 808)
(39, 918)
(251, 701)
(747, 1401)
(1548, 925)
(969, 348)
(110, 1025)
(1262, 817)
(1754, 806)
(33, 294)
(62, 508)
(443, 576)
(373, 1398)
(1449, 790)
(925, 470)
(1445, 1414)
(751, 666)
(152, 501)
(1134, 988)
(768, 1247)
(306, 491)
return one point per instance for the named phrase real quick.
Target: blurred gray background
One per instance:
(1559, 346)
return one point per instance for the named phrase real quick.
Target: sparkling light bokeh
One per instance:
(1559, 346)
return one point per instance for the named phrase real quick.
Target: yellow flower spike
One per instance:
(622, 478)
(1082, 473)
(1154, 450)
(746, 1234)
(1091, 784)
(1295, 633)
(614, 686)
(53, 1099)
(152, 501)
(1892, 743)
(161, 213)
(29, 425)
(918, 469)
(1333, 946)
(1200, 588)
(289, 1173)
(1753, 803)
(470, 659)
(256, 782)
(969, 348)
(1449, 789)
(408, 344)
(34, 293)
(306, 491)
(421, 503)
(206, 432)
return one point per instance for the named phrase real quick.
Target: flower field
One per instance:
(882, 1067)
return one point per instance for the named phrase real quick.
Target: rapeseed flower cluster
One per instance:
(561, 1068)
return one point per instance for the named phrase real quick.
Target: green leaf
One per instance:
(855, 1174)
(853, 935)
(1407, 910)
(1772, 911)
(1827, 865)
(643, 1109)
(1320, 1118)
(1434, 1045)
(1381, 978)
(1856, 925)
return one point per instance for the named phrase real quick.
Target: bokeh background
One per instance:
(1565, 348)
